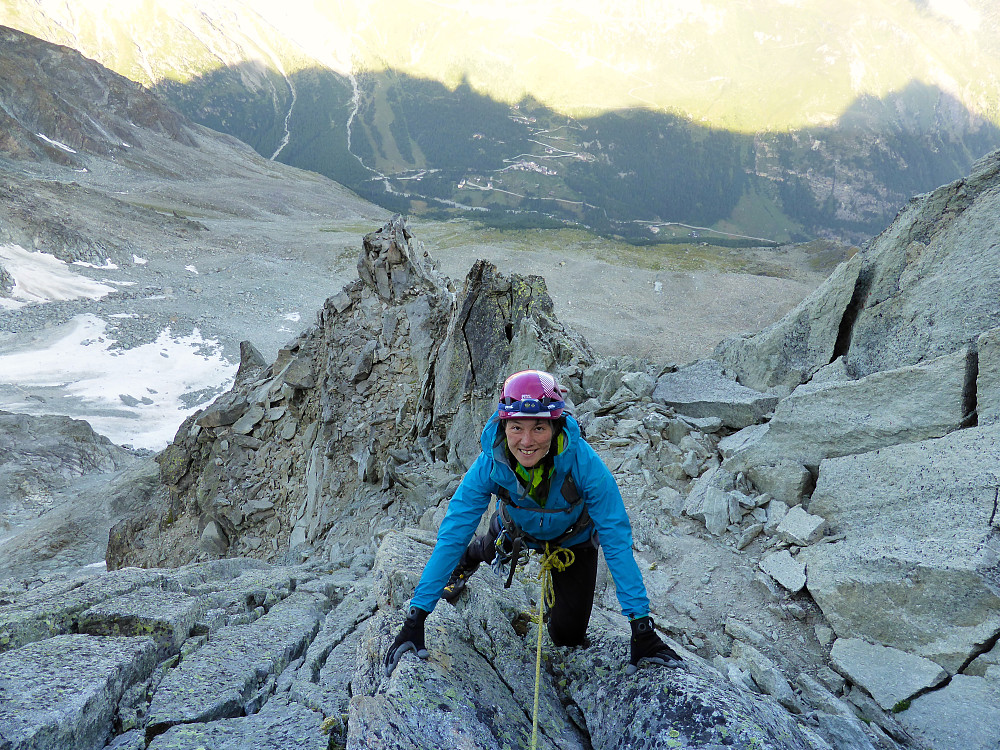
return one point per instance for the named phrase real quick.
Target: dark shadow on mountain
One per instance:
(419, 147)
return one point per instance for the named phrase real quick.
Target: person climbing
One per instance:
(553, 490)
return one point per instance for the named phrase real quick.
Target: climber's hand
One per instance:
(647, 647)
(410, 638)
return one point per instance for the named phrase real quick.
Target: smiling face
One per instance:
(529, 440)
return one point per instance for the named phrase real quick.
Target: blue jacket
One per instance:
(492, 470)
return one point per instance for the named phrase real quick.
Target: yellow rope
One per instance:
(558, 559)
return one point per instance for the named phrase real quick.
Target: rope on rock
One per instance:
(558, 559)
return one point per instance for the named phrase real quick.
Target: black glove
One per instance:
(410, 638)
(647, 646)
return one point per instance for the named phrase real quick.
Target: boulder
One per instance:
(844, 733)
(931, 277)
(787, 481)
(168, 617)
(837, 419)
(924, 288)
(766, 674)
(963, 714)
(709, 499)
(281, 724)
(252, 363)
(988, 377)
(224, 411)
(891, 676)
(220, 678)
(983, 662)
(63, 692)
(788, 352)
(786, 570)
(801, 528)
(916, 567)
(702, 389)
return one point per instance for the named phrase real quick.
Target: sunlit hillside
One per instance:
(746, 66)
(781, 120)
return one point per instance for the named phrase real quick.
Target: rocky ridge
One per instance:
(818, 534)
(355, 437)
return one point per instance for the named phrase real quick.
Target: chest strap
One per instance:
(518, 536)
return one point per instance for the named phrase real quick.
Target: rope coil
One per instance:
(558, 559)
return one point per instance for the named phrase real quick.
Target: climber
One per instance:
(551, 487)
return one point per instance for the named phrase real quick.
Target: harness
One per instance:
(517, 536)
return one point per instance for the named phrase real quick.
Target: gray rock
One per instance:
(654, 422)
(52, 609)
(167, 617)
(708, 500)
(988, 377)
(931, 276)
(474, 688)
(299, 372)
(801, 528)
(219, 678)
(786, 481)
(640, 383)
(62, 693)
(786, 570)
(776, 512)
(982, 663)
(702, 389)
(743, 632)
(394, 264)
(670, 500)
(363, 364)
(886, 408)
(280, 725)
(888, 674)
(748, 534)
(733, 444)
(821, 698)
(223, 412)
(917, 540)
(214, 539)
(766, 674)
(844, 733)
(964, 714)
(248, 420)
(252, 363)
(707, 425)
(789, 351)
(42, 454)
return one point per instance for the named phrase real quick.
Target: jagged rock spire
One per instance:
(394, 264)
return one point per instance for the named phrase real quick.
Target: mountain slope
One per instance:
(784, 122)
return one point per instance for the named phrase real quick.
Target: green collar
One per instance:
(536, 479)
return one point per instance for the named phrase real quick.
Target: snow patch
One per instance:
(192, 269)
(109, 387)
(108, 265)
(294, 317)
(57, 144)
(40, 277)
(139, 261)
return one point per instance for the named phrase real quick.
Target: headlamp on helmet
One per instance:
(532, 394)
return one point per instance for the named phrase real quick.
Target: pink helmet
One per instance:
(531, 393)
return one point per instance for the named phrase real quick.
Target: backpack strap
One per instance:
(569, 492)
(518, 536)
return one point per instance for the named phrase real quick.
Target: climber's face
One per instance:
(529, 440)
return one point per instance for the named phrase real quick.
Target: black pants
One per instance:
(574, 587)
